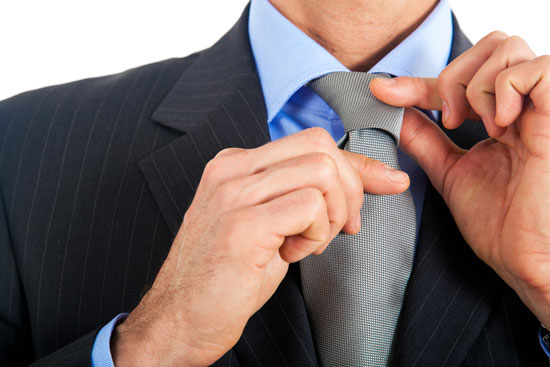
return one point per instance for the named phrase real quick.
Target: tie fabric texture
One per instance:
(354, 290)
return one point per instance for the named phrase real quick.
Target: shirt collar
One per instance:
(286, 58)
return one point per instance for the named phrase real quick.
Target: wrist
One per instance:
(144, 344)
(131, 345)
(125, 351)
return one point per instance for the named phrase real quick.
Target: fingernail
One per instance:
(358, 222)
(387, 81)
(444, 111)
(396, 175)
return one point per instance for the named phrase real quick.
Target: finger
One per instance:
(531, 79)
(229, 151)
(314, 170)
(297, 222)
(314, 140)
(377, 177)
(318, 170)
(223, 168)
(481, 89)
(455, 78)
(413, 91)
(407, 92)
(429, 146)
(275, 271)
(448, 92)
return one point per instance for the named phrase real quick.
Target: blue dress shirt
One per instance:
(286, 59)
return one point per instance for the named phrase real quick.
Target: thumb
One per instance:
(428, 145)
(377, 178)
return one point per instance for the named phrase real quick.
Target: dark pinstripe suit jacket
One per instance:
(95, 177)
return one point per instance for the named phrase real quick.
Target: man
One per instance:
(97, 175)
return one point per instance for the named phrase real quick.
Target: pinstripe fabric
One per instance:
(506, 328)
(452, 296)
(166, 171)
(96, 175)
(69, 193)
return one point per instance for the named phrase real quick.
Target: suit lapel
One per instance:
(451, 292)
(218, 103)
(174, 171)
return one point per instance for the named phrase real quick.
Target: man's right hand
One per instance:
(254, 212)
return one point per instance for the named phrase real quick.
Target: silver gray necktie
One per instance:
(355, 289)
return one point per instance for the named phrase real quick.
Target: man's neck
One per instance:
(357, 32)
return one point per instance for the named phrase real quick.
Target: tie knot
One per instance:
(348, 94)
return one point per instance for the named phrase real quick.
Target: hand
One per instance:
(254, 212)
(498, 191)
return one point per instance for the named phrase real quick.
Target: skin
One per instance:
(257, 210)
(498, 191)
(357, 32)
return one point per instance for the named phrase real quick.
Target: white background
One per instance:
(44, 42)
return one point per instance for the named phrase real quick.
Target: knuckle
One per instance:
(339, 216)
(315, 199)
(319, 137)
(243, 161)
(421, 87)
(514, 42)
(367, 166)
(541, 92)
(502, 78)
(444, 79)
(212, 170)
(500, 81)
(471, 93)
(325, 165)
(228, 151)
(226, 163)
(514, 48)
(418, 83)
(496, 36)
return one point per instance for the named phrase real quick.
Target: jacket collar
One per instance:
(216, 78)
(217, 102)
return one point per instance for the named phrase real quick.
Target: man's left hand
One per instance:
(499, 190)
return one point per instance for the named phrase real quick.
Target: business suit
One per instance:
(96, 176)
